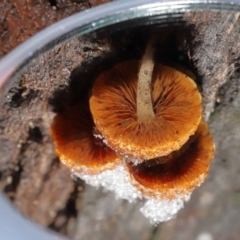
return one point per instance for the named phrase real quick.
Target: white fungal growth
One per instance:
(118, 181)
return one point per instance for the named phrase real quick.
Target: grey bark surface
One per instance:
(42, 188)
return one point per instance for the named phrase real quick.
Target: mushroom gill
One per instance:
(79, 144)
(177, 174)
(176, 103)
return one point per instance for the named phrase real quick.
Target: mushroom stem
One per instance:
(144, 86)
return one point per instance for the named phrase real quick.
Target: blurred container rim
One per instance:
(99, 17)
(12, 225)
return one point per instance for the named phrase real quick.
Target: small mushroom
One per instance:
(79, 144)
(137, 126)
(177, 174)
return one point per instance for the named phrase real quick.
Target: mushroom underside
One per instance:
(182, 171)
(177, 105)
(78, 143)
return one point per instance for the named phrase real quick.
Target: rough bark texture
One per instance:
(42, 188)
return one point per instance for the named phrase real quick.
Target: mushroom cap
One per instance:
(178, 177)
(177, 105)
(78, 143)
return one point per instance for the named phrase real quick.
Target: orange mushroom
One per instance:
(177, 174)
(121, 113)
(79, 144)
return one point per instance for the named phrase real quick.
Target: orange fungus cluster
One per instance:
(166, 156)
(152, 128)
